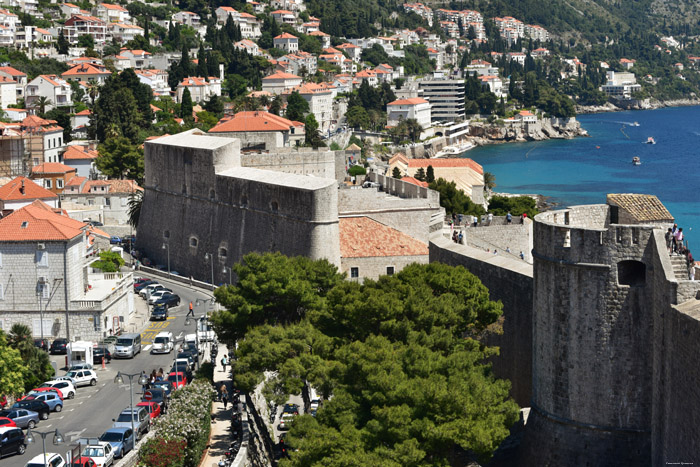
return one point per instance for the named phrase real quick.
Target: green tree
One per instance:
(293, 286)
(13, 369)
(516, 205)
(430, 174)
(396, 173)
(357, 117)
(110, 261)
(214, 105)
(489, 181)
(312, 136)
(134, 211)
(119, 158)
(297, 107)
(235, 86)
(62, 43)
(38, 365)
(420, 174)
(356, 170)
(455, 201)
(63, 120)
(41, 103)
(186, 105)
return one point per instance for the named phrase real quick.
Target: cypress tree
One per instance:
(186, 105)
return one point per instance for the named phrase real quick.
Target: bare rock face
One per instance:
(548, 128)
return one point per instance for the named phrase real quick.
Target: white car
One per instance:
(83, 377)
(149, 289)
(52, 460)
(80, 366)
(66, 387)
(102, 453)
(157, 295)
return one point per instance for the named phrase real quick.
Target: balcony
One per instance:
(104, 290)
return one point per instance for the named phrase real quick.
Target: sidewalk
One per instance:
(220, 438)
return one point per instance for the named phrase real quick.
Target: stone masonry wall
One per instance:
(301, 162)
(373, 267)
(516, 237)
(509, 281)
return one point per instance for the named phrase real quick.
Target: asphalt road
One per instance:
(94, 407)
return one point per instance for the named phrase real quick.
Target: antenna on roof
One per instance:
(21, 189)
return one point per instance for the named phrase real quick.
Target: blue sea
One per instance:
(584, 170)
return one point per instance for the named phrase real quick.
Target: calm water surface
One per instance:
(584, 170)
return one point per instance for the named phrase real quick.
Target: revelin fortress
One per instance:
(601, 332)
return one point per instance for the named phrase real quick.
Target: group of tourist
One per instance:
(675, 242)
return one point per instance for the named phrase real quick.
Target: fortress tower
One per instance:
(598, 278)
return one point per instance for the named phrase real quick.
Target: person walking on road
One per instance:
(191, 312)
(224, 361)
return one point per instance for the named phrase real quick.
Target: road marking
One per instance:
(75, 434)
(48, 426)
(153, 329)
(58, 418)
(70, 410)
(147, 348)
(180, 335)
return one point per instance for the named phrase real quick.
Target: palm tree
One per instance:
(19, 334)
(93, 92)
(489, 181)
(134, 211)
(41, 104)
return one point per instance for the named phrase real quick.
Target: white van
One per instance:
(127, 345)
(163, 343)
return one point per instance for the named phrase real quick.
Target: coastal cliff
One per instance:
(635, 104)
(482, 133)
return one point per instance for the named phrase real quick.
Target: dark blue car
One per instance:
(169, 299)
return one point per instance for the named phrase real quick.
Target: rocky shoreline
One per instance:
(635, 104)
(555, 128)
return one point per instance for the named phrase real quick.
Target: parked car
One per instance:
(101, 452)
(114, 240)
(177, 379)
(159, 312)
(58, 346)
(165, 386)
(141, 285)
(80, 366)
(51, 460)
(12, 441)
(150, 288)
(95, 223)
(36, 391)
(291, 408)
(23, 418)
(40, 407)
(170, 299)
(66, 387)
(83, 377)
(43, 344)
(286, 421)
(152, 407)
(157, 295)
(99, 353)
(157, 395)
(6, 422)
(82, 461)
(51, 399)
(142, 421)
(182, 367)
(193, 355)
(186, 357)
(121, 440)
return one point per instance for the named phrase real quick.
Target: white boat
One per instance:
(650, 140)
(636, 160)
(454, 149)
(635, 124)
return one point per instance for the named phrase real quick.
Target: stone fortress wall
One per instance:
(201, 203)
(614, 342)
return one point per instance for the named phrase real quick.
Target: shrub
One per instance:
(356, 170)
(159, 452)
(205, 372)
(188, 421)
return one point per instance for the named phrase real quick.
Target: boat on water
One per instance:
(454, 149)
(635, 124)
(650, 140)
(636, 160)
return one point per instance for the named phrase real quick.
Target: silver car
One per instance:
(23, 418)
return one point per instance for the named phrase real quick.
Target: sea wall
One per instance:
(510, 281)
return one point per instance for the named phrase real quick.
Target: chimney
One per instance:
(21, 189)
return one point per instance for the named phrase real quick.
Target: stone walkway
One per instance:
(221, 419)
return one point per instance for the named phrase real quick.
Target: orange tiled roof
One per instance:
(38, 222)
(85, 69)
(12, 71)
(281, 75)
(400, 157)
(52, 168)
(84, 112)
(253, 121)
(286, 35)
(12, 190)
(414, 181)
(362, 237)
(79, 153)
(411, 101)
(76, 181)
(442, 163)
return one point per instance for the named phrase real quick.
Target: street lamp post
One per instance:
(57, 439)
(167, 247)
(225, 270)
(196, 338)
(210, 257)
(119, 379)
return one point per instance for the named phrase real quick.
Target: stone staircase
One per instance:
(680, 267)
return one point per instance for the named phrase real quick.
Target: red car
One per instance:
(83, 461)
(178, 380)
(152, 407)
(7, 422)
(40, 390)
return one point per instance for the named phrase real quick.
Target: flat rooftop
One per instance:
(192, 139)
(269, 177)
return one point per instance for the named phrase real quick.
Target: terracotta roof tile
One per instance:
(411, 101)
(12, 190)
(38, 222)
(252, 121)
(642, 208)
(460, 162)
(79, 153)
(52, 168)
(362, 237)
(414, 181)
